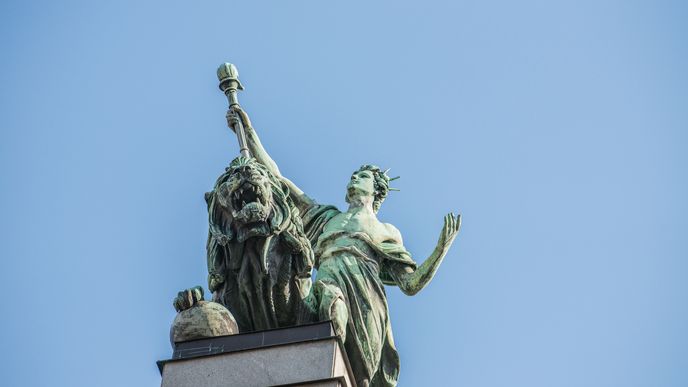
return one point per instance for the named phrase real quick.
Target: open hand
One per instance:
(451, 227)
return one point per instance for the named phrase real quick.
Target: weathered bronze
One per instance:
(259, 259)
(355, 255)
(266, 235)
(199, 319)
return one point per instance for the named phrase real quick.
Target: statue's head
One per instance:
(368, 181)
(249, 201)
(246, 190)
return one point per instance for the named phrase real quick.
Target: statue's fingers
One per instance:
(179, 301)
(448, 226)
(188, 298)
(196, 294)
(458, 222)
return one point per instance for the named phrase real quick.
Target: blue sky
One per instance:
(558, 130)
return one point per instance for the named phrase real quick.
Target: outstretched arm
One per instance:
(258, 152)
(412, 281)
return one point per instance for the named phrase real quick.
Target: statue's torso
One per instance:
(337, 234)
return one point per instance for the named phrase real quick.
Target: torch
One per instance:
(228, 75)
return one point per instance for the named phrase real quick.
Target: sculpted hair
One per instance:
(284, 218)
(381, 183)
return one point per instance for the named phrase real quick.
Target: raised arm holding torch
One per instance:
(228, 75)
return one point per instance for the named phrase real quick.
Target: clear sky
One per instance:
(558, 129)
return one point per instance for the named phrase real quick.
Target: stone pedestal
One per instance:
(306, 355)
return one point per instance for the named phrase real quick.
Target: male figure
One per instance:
(355, 255)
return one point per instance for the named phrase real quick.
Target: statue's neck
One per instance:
(361, 204)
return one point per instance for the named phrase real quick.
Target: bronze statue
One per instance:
(266, 234)
(259, 260)
(355, 255)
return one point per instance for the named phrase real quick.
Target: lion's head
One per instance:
(248, 202)
(253, 201)
(246, 190)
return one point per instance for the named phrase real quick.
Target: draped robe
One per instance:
(355, 273)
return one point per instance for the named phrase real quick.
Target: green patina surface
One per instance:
(266, 234)
(355, 256)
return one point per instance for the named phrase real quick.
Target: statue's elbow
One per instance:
(410, 290)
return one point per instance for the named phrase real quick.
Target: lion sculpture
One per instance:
(259, 259)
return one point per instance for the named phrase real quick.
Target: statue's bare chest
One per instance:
(358, 222)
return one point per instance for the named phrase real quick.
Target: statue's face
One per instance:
(361, 183)
(247, 193)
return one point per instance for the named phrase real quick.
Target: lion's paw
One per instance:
(187, 298)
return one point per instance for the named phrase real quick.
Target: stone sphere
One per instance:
(203, 320)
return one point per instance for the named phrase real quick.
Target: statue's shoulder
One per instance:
(393, 232)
